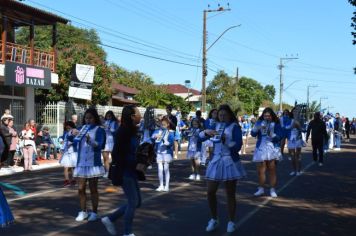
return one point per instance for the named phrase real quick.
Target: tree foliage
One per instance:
(133, 79)
(245, 96)
(157, 96)
(74, 46)
(222, 90)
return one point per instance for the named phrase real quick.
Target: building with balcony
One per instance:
(23, 68)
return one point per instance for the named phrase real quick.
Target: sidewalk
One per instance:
(42, 164)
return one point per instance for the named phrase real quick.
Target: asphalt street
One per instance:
(322, 201)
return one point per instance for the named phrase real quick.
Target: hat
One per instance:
(7, 116)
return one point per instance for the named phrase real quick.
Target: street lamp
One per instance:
(321, 98)
(308, 87)
(280, 67)
(204, 64)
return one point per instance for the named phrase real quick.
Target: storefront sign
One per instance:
(22, 75)
(81, 83)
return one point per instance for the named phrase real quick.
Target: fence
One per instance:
(53, 115)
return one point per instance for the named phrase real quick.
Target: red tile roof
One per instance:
(124, 89)
(178, 88)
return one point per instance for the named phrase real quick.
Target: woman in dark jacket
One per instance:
(347, 129)
(126, 142)
(319, 136)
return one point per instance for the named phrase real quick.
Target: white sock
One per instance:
(160, 173)
(166, 169)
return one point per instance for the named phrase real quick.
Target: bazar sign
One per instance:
(22, 75)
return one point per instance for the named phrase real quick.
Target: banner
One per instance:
(81, 83)
(23, 75)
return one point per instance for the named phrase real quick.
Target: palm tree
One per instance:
(314, 106)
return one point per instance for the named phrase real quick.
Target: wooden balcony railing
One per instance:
(20, 53)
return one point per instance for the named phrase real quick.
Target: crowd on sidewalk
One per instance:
(123, 149)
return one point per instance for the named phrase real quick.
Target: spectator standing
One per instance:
(14, 141)
(347, 129)
(7, 136)
(28, 146)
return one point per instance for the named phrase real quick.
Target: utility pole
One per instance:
(321, 98)
(280, 67)
(308, 87)
(204, 64)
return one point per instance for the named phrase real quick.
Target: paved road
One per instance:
(322, 201)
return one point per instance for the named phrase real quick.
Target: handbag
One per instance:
(115, 174)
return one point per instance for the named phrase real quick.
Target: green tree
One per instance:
(74, 46)
(134, 79)
(251, 94)
(222, 90)
(270, 92)
(314, 106)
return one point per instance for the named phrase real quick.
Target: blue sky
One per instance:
(317, 31)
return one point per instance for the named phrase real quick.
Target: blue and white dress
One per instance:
(268, 141)
(286, 125)
(209, 124)
(225, 164)
(194, 144)
(89, 164)
(6, 217)
(295, 139)
(245, 129)
(70, 156)
(110, 128)
(164, 145)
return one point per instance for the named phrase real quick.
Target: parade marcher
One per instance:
(69, 154)
(245, 127)
(89, 142)
(268, 132)
(28, 146)
(225, 165)
(285, 122)
(329, 123)
(337, 132)
(6, 217)
(126, 142)
(111, 125)
(210, 123)
(295, 144)
(319, 136)
(173, 121)
(194, 148)
(164, 139)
